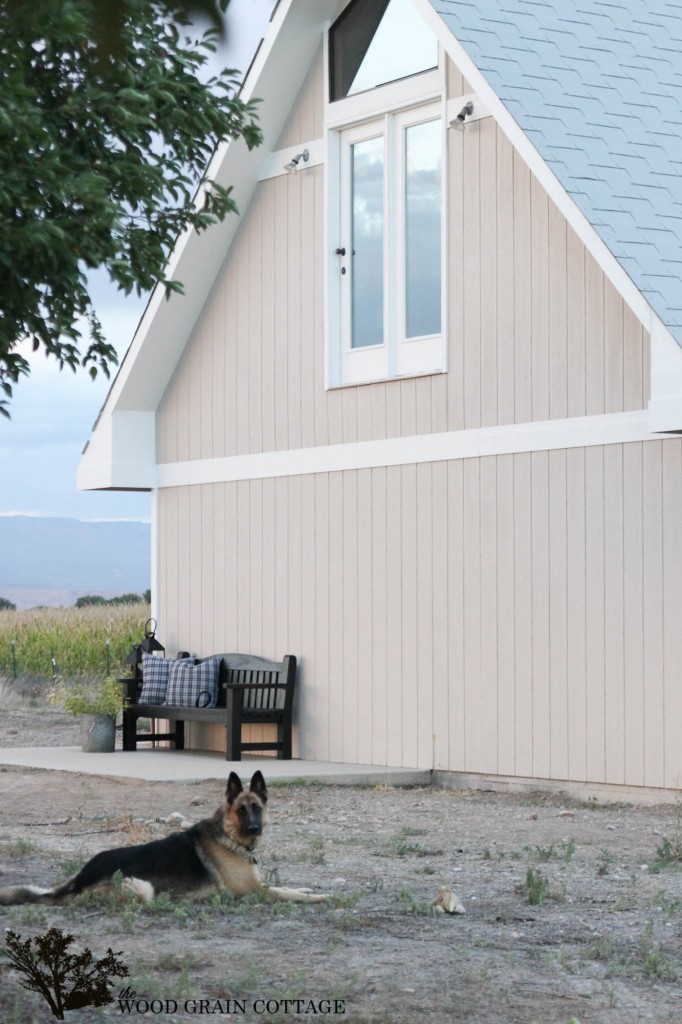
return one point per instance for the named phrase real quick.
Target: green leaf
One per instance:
(107, 124)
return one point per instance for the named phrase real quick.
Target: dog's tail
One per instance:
(34, 894)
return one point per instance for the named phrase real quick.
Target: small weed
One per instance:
(565, 851)
(604, 862)
(655, 966)
(28, 914)
(542, 853)
(20, 848)
(316, 854)
(400, 846)
(289, 783)
(414, 906)
(669, 851)
(603, 949)
(568, 849)
(665, 903)
(137, 831)
(535, 888)
(343, 901)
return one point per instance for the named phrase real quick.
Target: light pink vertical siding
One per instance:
(514, 615)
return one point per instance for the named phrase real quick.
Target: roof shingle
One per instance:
(598, 89)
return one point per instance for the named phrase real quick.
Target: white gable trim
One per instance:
(546, 435)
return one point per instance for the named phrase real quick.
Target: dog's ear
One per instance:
(257, 786)
(234, 787)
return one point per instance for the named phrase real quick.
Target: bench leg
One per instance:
(284, 737)
(179, 742)
(233, 739)
(129, 731)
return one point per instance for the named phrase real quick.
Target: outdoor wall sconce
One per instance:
(466, 111)
(294, 162)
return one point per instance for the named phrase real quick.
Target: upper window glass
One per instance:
(375, 42)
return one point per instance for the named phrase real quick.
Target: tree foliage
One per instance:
(67, 981)
(89, 600)
(6, 605)
(102, 151)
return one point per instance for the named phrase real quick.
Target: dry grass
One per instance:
(11, 697)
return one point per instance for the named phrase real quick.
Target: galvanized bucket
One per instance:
(98, 734)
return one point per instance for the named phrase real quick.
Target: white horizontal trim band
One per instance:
(547, 435)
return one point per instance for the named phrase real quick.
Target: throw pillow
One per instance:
(193, 686)
(155, 677)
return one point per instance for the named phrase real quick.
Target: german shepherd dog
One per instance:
(216, 853)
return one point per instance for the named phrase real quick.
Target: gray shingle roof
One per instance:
(597, 87)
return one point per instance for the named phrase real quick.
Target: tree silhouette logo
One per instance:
(68, 981)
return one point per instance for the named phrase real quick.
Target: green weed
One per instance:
(604, 862)
(414, 906)
(535, 888)
(400, 846)
(669, 851)
(654, 964)
(19, 848)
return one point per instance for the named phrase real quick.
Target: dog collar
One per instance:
(241, 851)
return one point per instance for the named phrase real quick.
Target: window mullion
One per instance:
(391, 240)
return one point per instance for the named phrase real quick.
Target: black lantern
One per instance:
(149, 645)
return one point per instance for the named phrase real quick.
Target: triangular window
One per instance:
(375, 42)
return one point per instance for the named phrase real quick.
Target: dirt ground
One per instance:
(602, 944)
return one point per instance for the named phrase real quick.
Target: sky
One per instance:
(52, 411)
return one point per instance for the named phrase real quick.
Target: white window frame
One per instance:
(387, 110)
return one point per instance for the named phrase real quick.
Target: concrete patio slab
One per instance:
(192, 766)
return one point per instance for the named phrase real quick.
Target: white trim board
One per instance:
(274, 167)
(547, 435)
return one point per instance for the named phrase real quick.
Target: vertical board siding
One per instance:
(514, 615)
(535, 331)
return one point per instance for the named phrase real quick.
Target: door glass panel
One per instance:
(367, 255)
(423, 229)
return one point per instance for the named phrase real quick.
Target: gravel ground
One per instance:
(573, 911)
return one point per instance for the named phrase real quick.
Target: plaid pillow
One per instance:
(193, 686)
(155, 678)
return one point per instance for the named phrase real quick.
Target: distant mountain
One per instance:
(54, 561)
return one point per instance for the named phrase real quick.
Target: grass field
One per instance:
(82, 641)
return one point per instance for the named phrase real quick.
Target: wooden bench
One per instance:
(251, 691)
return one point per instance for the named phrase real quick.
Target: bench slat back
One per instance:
(268, 685)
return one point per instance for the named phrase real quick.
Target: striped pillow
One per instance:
(155, 677)
(193, 686)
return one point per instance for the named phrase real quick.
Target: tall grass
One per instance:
(75, 637)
